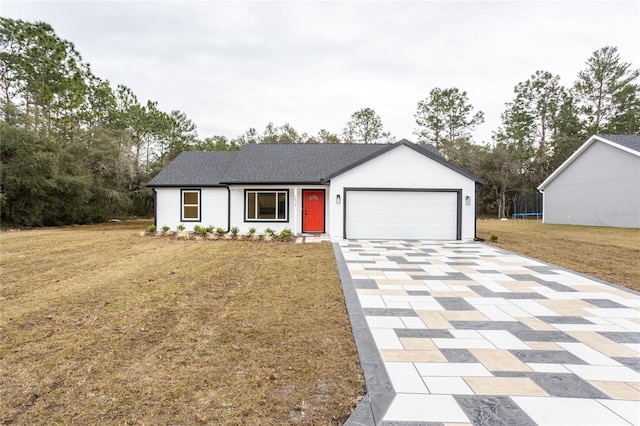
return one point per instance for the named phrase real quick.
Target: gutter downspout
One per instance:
(155, 207)
(228, 209)
(475, 222)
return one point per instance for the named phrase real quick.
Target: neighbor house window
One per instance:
(266, 205)
(190, 205)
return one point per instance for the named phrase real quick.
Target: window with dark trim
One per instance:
(190, 205)
(267, 205)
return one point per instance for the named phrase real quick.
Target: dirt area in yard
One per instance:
(100, 325)
(610, 254)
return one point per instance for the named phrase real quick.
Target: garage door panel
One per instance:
(401, 215)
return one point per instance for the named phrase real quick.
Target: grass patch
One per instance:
(99, 326)
(610, 254)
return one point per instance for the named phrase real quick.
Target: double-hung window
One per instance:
(190, 205)
(266, 205)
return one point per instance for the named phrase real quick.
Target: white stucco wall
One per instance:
(601, 187)
(402, 167)
(213, 208)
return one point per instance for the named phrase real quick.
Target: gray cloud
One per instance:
(231, 66)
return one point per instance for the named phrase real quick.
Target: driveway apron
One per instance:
(462, 333)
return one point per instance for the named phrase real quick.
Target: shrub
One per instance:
(183, 235)
(234, 231)
(220, 231)
(493, 238)
(166, 229)
(180, 228)
(285, 234)
(268, 237)
(151, 229)
(200, 230)
(252, 231)
(270, 232)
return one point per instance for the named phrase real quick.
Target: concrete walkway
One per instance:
(463, 333)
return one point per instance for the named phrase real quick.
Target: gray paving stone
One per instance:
(400, 260)
(604, 303)
(368, 284)
(389, 312)
(542, 336)
(455, 304)
(424, 333)
(564, 320)
(489, 325)
(558, 287)
(622, 336)
(633, 363)
(566, 386)
(458, 355)
(509, 373)
(376, 378)
(493, 411)
(548, 357)
(457, 276)
(418, 292)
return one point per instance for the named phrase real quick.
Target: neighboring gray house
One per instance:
(395, 191)
(599, 185)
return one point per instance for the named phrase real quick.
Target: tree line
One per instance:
(76, 149)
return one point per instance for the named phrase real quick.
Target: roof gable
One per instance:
(627, 143)
(426, 150)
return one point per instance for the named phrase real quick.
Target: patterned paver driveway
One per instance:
(464, 333)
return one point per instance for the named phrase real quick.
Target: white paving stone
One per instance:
(371, 301)
(502, 339)
(628, 410)
(547, 368)
(604, 373)
(384, 322)
(405, 378)
(614, 312)
(587, 353)
(425, 408)
(452, 369)
(386, 338)
(494, 313)
(533, 307)
(465, 334)
(568, 411)
(413, 322)
(447, 385)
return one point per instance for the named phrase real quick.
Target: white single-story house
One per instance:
(358, 191)
(599, 185)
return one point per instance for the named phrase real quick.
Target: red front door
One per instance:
(313, 211)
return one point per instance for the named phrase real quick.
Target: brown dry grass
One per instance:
(610, 254)
(100, 325)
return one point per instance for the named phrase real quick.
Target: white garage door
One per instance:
(401, 215)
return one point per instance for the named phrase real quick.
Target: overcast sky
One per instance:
(234, 65)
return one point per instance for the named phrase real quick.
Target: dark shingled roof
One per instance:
(629, 141)
(280, 164)
(195, 168)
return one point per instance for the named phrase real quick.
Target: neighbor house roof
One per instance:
(627, 143)
(281, 164)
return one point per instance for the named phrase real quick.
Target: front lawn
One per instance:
(610, 254)
(99, 325)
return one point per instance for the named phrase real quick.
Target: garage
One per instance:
(402, 214)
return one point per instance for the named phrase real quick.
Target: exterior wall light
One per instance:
(467, 200)
(338, 199)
